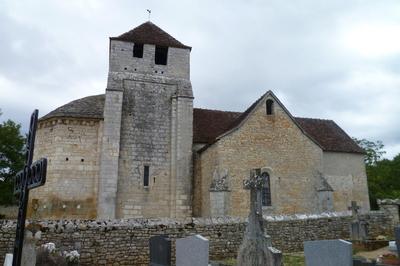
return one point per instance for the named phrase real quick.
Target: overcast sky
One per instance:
(337, 59)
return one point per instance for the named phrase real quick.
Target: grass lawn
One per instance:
(289, 259)
(293, 259)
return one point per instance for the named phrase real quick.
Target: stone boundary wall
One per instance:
(125, 242)
(9, 212)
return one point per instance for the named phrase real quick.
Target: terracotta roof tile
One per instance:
(150, 33)
(329, 135)
(209, 124)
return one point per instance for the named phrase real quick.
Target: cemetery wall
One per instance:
(71, 147)
(125, 242)
(8, 212)
(275, 143)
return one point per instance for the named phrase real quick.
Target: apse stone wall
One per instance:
(71, 147)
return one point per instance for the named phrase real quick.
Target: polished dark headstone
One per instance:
(397, 235)
(160, 250)
(362, 262)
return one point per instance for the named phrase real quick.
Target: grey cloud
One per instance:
(240, 50)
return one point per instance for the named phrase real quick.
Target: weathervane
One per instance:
(149, 10)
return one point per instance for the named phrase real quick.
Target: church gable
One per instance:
(268, 104)
(209, 126)
(263, 137)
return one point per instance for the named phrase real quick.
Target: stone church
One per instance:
(142, 150)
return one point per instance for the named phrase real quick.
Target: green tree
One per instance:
(373, 150)
(383, 174)
(11, 158)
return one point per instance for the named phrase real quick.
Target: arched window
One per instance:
(269, 106)
(266, 191)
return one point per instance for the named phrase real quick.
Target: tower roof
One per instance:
(149, 33)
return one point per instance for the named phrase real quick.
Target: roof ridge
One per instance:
(150, 33)
(311, 118)
(215, 110)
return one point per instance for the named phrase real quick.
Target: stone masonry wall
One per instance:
(275, 143)
(349, 181)
(122, 60)
(71, 147)
(109, 155)
(145, 141)
(125, 242)
(156, 132)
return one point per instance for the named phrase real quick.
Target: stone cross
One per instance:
(33, 175)
(256, 249)
(255, 185)
(354, 208)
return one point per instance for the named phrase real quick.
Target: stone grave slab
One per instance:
(8, 260)
(328, 253)
(275, 257)
(392, 246)
(160, 250)
(363, 262)
(192, 250)
(397, 235)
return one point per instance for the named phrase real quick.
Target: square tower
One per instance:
(146, 154)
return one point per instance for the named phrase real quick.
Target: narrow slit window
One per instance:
(146, 176)
(270, 106)
(138, 50)
(266, 190)
(161, 55)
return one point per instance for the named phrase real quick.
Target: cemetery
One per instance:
(127, 242)
(326, 239)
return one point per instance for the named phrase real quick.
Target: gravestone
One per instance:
(328, 253)
(192, 250)
(392, 246)
(160, 250)
(363, 262)
(397, 235)
(358, 227)
(32, 236)
(29, 249)
(8, 260)
(255, 249)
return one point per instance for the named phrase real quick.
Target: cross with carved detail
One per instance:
(255, 184)
(354, 208)
(32, 176)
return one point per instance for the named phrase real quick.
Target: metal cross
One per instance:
(32, 176)
(354, 208)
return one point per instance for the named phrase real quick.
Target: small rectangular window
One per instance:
(146, 176)
(161, 55)
(270, 106)
(138, 50)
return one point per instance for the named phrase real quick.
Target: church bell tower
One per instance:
(146, 152)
